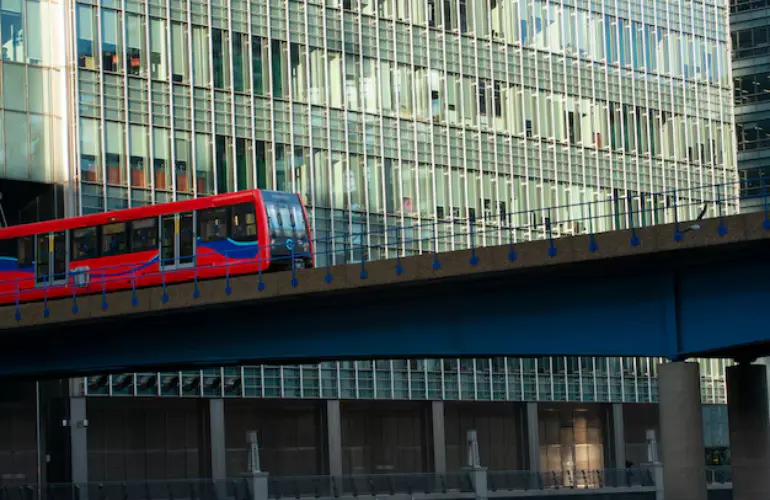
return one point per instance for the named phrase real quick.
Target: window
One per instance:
(84, 243)
(114, 239)
(26, 252)
(9, 249)
(212, 224)
(244, 226)
(144, 235)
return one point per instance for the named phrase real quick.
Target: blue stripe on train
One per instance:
(227, 248)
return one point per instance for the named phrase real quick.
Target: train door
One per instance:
(177, 240)
(51, 259)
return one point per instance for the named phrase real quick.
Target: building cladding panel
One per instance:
(385, 114)
(33, 139)
(750, 26)
(564, 379)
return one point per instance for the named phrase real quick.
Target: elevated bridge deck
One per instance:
(626, 292)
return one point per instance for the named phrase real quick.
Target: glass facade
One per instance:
(32, 91)
(568, 379)
(383, 113)
(750, 25)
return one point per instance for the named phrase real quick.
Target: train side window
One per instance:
(9, 249)
(244, 223)
(85, 243)
(26, 253)
(144, 235)
(114, 239)
(212, 224)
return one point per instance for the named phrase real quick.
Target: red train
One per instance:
(235, 233)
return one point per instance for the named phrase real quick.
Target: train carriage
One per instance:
(203, 238)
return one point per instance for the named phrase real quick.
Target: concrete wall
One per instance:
(501, 431)
(138, 439)
(638, 419)
(18, 448)
(290, 433)
(385, 437)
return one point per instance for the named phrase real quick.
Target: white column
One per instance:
(619, 435)
(533, 437)
(78, 424)
(334, 436)
(681, 425)
(217, 439)
(439, 437)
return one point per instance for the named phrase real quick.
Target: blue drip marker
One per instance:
(46, 311)
(399, 267)
(364, 274)
(593, 246)
(436, 263)
(134, 298)
(512, 255)
(228, 288)
(260, 283)
(17, 313)
(722, 229)
(164, 297)
(196, 291)
(105, 305)
(294, 281)
(634, 238)
(551, 243)
(677, 233)
(766, 222)
(328, 278)
(75, 307)
(474, 258)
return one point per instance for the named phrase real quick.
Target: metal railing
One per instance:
(434, 237)
(359, 485)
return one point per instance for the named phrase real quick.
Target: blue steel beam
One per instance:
(640, 306)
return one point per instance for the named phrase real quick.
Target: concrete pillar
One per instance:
(533, 437)
(681, 425)
(749, 430)
(439, 437)
(618, 436)
(334, 436)
(78, 425)
(478, 477)
(217, 439)
(533, 445)
(258, 480)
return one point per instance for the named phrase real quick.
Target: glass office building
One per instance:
(384, 113)
(750, 25)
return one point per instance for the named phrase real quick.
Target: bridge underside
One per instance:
(688, 300)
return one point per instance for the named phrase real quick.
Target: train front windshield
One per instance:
(286, 221)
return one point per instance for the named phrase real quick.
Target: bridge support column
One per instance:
(217, 439)
(439, 437)
(533, 437)
(681, 425)
(78, 425)
(747, 409)
(533, 445)
(334, 436)
(618, 436)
